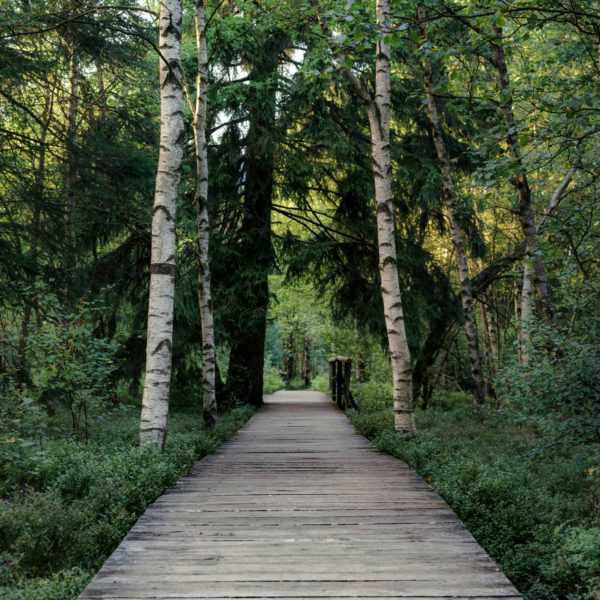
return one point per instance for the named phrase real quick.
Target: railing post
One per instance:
(340, 374)
(332, 378)
(339, 382)
(347, 375)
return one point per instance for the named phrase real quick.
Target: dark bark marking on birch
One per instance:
(163, 269)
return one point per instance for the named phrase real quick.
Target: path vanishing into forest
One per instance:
(298, 505)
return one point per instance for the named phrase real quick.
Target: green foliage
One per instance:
(560, 388)
(23, 428)
(60, 522)
(70, 365)
(63, 585)
(272, 380)
(450, 400)
(536, 513)
(68, 369)
(320, 383)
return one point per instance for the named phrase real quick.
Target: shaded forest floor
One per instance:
(532, 501)
(68, 504)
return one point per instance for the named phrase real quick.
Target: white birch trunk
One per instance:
(378, 111)
(526, 310)
(491, 326)
(209, 397)
(379, 121)
(534, 273)
(155, 402)
(466, 293)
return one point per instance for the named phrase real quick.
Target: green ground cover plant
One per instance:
(69, 504)
(533, 503)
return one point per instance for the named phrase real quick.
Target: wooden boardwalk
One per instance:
(298, 505)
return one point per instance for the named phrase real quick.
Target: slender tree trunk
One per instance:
(72, 110)
(522, 338)
(379, 121)
(40, 187)
(102, 95)
(466, 293)
(209, 398)
(493, 325)
(378, 112)
(490, 356)
(534, 273)
(526, 312)
(155, 402)
(71, 167)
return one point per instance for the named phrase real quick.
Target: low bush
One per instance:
(272, 380)
(559, 388)
(320, 383)
(59, 521)
(535, 509)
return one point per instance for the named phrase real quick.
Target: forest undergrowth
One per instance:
(531, 499)
(68, 505)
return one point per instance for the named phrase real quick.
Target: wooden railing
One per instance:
(340, 372)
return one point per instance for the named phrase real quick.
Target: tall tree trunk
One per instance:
(288, 361)
(490, 356)
(155, 402)
(379, 121)
(246, 359)
(39, 191)
(209, 398)
(466, 293)
(378, 112)
(491, 324)
(534, 273)
(71, 167)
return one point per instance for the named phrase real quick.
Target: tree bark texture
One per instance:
(534, 273)
(379, 120)
(209, 398)
(246, 359)
(71, 166)
(155, 402)
(38, 201)
(466, 293)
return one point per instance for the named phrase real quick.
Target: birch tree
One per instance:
(534, 270)
(209, 398)
(466, 292)
(378, 112)
(155, 402)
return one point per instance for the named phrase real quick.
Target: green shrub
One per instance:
(83, 498)
(560, 387)
(373, 395)
(320, 383)
(272, 380)
(450, 399)
(61, 586)
(576, 562)
(534, 509)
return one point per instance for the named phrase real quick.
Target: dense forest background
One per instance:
(495, 158)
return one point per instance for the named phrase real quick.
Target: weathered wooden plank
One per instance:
(298, 505)
(295, 589)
